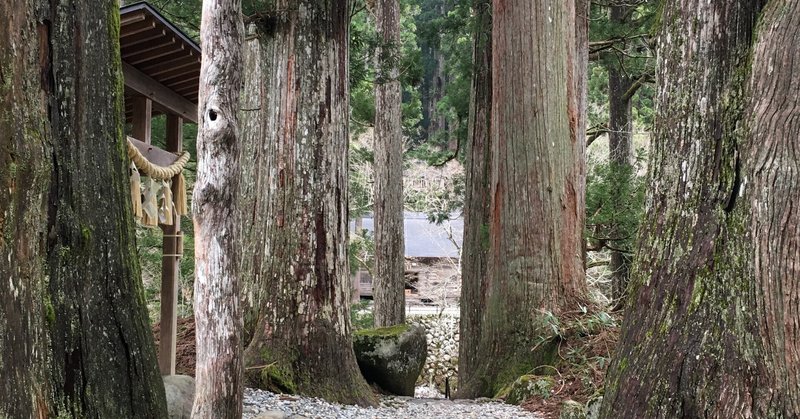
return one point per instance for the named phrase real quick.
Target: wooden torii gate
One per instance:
(161, 66)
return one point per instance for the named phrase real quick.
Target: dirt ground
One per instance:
(185, 347)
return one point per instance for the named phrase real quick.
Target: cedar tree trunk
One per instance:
(294, 202)
(217, 311)
(389, 281)
(535, 229)
(712, 330)
(620, 148)
(581, 97)
(474, 281)
(73, 324)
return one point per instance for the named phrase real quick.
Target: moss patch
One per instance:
(273, 374)
(527, 386)
(49, 311)
(396, 330)
(277, 379)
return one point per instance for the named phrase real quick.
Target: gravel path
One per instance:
(265, 405)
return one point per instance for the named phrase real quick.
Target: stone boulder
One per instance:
(391, 357)
(180, 395)
(525, 387)
(593, 407)
(570, 409)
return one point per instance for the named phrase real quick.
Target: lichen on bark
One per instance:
(698, 339)
(293, 200)
(84, 348)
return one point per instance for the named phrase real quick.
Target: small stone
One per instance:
(570, 409)
(180, 395)
(272, 414)
(593, 407)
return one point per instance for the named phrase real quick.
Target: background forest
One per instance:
(436, 74)
(551, 208)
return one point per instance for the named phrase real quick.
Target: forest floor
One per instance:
(263, 404)
(586, 343)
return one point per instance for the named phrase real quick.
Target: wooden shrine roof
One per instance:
(159, 61)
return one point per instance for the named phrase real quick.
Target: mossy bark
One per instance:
(712, 328)
(620, 148)
(73, 324)
(389, 280)
(217, 311)
(535, 251)
(294, 200)
(474, 281)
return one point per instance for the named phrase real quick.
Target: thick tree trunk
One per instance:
(433, 78)
(620, 149)
(74, 332)
(474, 281)
(581, 97)
(773, 164)
(217, 311)
(535, 259)
(389, 281)
(435, 90)
(294, 202)
(713, 328)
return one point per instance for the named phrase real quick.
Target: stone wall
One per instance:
(442, 360)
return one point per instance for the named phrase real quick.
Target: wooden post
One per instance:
(170, 265)
(359, 224)
(142, 113)
(219, 377)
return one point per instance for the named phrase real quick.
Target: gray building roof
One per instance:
(426, 239)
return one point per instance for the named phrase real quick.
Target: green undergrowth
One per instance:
(585, 341)
(361, 315)
(395, 330)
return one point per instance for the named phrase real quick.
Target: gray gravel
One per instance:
(265, 405)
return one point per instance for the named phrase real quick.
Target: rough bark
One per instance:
(389, 281)
(434, 122)
(620, 146)
(474, 281)
(581, 97)
(713, 329)
(294, 202)
(217, 310)
(73, 325)
(535, 252)
(434, 80)
(774, 167)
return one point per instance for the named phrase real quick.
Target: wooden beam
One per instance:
(179, 74)
(166, 98)
(142, 118)
(145, 37)
(182, 85)
(184, 88)
(153, 55)
(131, 18)
(154, 154)
(170, 265)
(190, 58)
(144, 48)
(135, 28)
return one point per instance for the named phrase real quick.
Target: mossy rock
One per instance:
(593, 406)
(570, 409)
(391, 357)
(525, 387)
(273, 378)
(179, 390)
